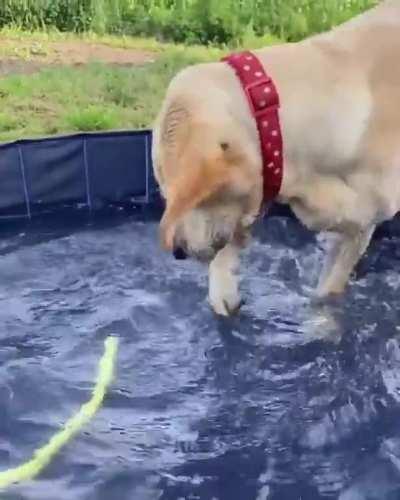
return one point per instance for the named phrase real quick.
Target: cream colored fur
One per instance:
(340, 118)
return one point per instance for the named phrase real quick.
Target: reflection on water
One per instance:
(289, 400)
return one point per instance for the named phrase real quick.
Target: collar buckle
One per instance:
(269, 99)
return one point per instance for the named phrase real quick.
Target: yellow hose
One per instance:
(43, 456)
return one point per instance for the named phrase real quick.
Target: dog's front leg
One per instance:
(223, 292)
(341, 261)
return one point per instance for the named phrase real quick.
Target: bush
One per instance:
(219, 22)
(65, 15)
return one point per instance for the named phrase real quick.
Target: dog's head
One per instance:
(209, 174)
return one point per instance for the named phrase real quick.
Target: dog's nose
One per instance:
(179, 253)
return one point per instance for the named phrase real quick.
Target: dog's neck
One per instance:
(324, 109)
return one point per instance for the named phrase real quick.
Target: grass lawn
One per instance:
(50, 96)
(52, 93)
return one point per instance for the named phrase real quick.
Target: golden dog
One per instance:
(340, 122)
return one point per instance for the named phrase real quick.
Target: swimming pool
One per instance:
(287, 401)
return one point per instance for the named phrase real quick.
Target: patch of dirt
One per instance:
(18, 66)
(83, 53)
(29, 57)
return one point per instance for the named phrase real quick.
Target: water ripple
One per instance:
(287, 401)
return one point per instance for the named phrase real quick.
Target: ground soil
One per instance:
(29, 57)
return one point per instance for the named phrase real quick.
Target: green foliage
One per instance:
(7, 122)
(189, 21)
(65, 15)
(93, 97)
(93, 117)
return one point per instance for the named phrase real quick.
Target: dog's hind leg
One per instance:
(342, 260)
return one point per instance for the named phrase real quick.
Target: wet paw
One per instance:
(328, 291)
(227, 304)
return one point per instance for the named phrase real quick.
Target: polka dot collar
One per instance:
(264, 104)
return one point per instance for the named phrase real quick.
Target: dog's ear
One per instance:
(206, 165)
(199, 180)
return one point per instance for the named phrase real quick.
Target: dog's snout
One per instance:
(179, 253)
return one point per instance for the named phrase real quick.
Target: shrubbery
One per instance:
(189, 21)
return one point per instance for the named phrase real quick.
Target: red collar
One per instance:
(264, 104)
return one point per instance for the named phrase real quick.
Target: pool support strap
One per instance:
(43, 456)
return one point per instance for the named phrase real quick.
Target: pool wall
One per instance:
(86, 173)
(82, 171)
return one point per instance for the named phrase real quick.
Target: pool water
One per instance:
(287, 401)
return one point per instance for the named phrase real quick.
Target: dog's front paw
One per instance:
(223, 294)
(225, 302)
(223, 291)
(330, 290)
